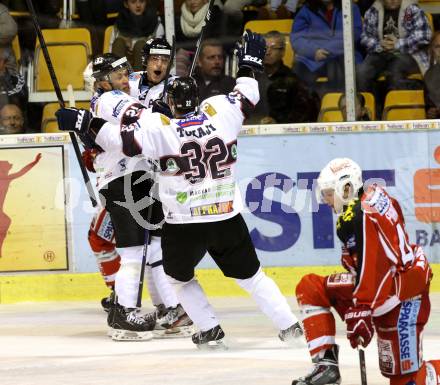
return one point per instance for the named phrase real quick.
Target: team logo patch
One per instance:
(407, 335)
(212, 209)
(171, 166)
(181, 197)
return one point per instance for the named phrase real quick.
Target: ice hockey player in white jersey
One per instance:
(124, 179)
(197, 152)
(147, 86)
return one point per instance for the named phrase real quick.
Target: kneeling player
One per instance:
(385, 289)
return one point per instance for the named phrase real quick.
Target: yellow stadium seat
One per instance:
(265, 26)
(430, 20)
(330, 111)
(330, 116)
(107, 38)
(16, 48)
(70, 51)
(283, 26)
(404, 105)
(49, 121)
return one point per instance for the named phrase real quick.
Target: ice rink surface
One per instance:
(66, 343)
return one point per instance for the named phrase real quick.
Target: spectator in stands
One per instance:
(432, 80)
(273, 61)
(12, 84)
(317, 39)
(94, 12)
(289, 101)
(396, 36)
(8, 30)
(361, 111)
(136, 23)
(188, 26)
(234, 7)
(11, 119)
(209, 74)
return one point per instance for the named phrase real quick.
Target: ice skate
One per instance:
(128, 325)
(107, 302)
(210, 339)
(292, 335)
(325, 370)
(174, 324)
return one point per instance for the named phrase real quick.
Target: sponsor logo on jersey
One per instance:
(122, 165)
(106, 229)
(118, 108)
(212, 209)
(340, 279)
(181, 197)
(377, 201)
(407, 335)
(387, 363)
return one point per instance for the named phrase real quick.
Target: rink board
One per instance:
(90, 286)
(276, 173)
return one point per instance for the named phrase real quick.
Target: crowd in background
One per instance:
(394, 41)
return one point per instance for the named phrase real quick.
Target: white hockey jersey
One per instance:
(110, 165)
(144, 93)
(197, 155)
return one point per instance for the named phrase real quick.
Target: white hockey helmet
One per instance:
(89, 80)
(336, 175)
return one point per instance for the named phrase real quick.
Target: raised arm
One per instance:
(26, 168)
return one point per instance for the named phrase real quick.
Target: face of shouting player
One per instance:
(157, 68)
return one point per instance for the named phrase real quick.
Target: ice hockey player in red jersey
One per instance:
(385, 288)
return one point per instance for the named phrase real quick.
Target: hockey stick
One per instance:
(200, 39)
(362, 366)
(168, 73)
(57, 89)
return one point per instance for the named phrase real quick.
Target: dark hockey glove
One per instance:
(251, 51)
(163, 108)
(359, 323)
(82, 122)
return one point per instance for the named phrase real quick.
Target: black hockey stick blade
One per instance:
(170, 65)
(208, 17)
(362, 366)
(57, 89)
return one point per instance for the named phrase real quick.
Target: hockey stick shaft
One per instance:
(59, 95)
(208, 17)
(144, 261)
(362, 366)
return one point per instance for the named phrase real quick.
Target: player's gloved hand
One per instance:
(82, 122)
(359, 323)
(161, 107)
(251, 51)
(73, 119)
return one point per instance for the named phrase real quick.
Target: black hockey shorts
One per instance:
(228, 243)
(129, 231)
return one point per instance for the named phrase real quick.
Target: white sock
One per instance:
(156, 299)
(268, 297)
(193, 299)
(127, 278)
(159, 278)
